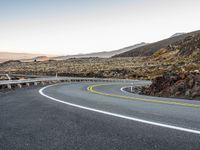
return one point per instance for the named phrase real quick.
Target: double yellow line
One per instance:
(91, 89)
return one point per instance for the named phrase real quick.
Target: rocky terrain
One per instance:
(182, 78)
(179, 59)
(181, 85)
(83, 67)
(180, 56)
(152, 48)
(129, 67)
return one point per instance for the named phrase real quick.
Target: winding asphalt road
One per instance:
(96, 116)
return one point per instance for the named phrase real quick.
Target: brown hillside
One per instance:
(183, 42)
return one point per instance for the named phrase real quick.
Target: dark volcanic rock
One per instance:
(182, 85)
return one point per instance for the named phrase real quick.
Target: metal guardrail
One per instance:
(70, 79)
(24, 75)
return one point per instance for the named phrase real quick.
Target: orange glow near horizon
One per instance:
(67, 30)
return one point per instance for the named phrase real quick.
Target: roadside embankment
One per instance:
(177, 85)
(181, 85)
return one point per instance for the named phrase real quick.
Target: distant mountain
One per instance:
(27, 57)
(177, 34)
(6, 56)
(38, 58)
(150, 49)
(104, 54)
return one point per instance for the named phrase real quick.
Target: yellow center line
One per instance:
(91, 89)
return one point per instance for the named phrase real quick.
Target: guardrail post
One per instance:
(9, 86)
(19, 85)
(35, 83)
(131, 89)
(9, 78)
(27, 84)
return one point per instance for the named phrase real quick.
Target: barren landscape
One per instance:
(99, 75)
(181, 54)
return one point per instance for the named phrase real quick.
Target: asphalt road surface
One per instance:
(96, 116)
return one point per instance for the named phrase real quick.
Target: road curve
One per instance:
(96, 116)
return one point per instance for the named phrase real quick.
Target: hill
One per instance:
(104, 54)
(150, 49)
(177, 34)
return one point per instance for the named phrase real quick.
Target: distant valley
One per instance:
(6, 56)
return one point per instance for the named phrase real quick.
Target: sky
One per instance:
(65, 27)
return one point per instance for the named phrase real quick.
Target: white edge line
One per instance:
(122, 89)
(118, 115)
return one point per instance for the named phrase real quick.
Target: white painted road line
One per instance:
(122, 89)
(41, 91)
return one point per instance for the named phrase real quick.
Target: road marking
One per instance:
(91, 89)
(41, 91)
(122, 89)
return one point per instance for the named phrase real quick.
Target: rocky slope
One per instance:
(189, 46)
(150, 49)
(180, 56)
(170, 67)
(181, 85)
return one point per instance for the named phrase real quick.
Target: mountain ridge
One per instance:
(151, 48)
(103, 54)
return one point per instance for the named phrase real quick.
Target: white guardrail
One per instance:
(65, 79)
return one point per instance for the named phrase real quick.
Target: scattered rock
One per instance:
(188, 93)
(195, 94)
(182, 85)
(191, 83)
